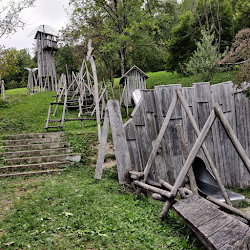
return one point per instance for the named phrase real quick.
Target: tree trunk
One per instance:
(123, 60)
(206, 14)
(197, 14)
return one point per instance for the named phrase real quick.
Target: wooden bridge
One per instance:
(215, 228)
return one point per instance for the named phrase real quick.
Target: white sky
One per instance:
(48, 12)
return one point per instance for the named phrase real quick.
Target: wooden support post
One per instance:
(204, 148)
(188, 163)
(2, 90)
(102, 147)
(64, 108)
(120, 143)
(159, 138)
(47, 122)
(232, 136)
(96, 93)
(191, 176)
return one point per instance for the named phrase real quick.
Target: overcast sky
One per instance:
(48, 12)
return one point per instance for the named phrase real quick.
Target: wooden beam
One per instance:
(191, 176)
(120, 142)
(232, 136)
(152, 189)
(102, 147)
(204, 148)
(188, 163)
(159, 138)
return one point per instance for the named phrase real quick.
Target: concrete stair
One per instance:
(43, 153)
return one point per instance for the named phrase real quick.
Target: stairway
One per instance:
(33, 154)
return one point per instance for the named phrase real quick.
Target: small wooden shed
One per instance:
(133, 79)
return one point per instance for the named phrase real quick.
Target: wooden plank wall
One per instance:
(142, 129)
(133, 81)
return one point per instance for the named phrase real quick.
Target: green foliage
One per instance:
(205, 58)
(66, 56)
(11, 85)
(240, 53)
(12, 64)
(182, 43)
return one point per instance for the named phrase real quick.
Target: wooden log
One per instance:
(139, 174)
(191, 176)
(154, 183)
(159, 138)
(134, 177)
(189, 161)
(228, 208)
(152, 189)
(232, 136)
(170, 187)
(102, 147)
(158, 197)
(205, 150)
(96, 93)
(120, 143)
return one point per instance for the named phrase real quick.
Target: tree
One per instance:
(124, 32)
(239, 55)
(10, 19)
(205, 59)
(182, 43)
(8, 61)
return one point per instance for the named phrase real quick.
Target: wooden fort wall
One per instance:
(142, 130)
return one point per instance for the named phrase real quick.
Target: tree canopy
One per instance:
(10, 19)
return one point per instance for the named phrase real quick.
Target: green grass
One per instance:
(22, 113)
(73, 210)
(165, 78)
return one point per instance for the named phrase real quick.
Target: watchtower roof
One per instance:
(46, 29)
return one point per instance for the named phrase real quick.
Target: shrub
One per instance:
(205, 58)
(12, 85)
(240, 54)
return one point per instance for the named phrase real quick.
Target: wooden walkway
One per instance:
(216, 229)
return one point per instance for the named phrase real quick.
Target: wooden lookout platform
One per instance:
(215, 228)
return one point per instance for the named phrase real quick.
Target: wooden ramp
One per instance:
(216, 229)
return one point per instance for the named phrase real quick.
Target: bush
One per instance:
(23, 84)
(12, 85)
(205, 58)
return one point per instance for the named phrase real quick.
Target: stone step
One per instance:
(47, 158)
(34, 136)
(32, 141)
(39, 166)
(51, 171)
(29, 153)
(36, 146)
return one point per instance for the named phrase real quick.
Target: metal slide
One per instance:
(207, 184)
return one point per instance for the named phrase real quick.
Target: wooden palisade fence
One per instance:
(143, 129)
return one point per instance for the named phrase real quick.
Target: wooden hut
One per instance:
(133, 79)
(46, 38)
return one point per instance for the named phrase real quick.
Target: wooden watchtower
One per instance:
(46, 38)
(133, 79)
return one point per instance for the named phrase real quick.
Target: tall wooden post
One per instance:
(2, 90)
(90, 58)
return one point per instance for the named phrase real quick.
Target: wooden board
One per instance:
(120, 143)
(213, 227)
